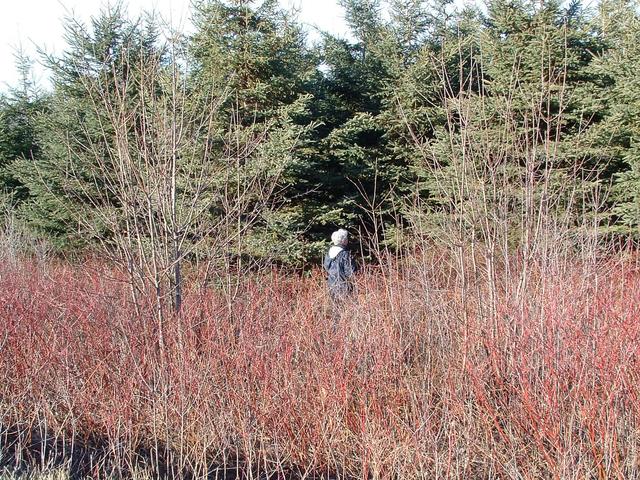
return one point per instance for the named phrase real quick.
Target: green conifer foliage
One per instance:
(18, 129)
(256, 56)
(409, 119)
(616, 138)
(67, 179)
(355, 168)
(505, 154)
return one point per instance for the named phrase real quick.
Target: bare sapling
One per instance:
(173, 173)
(504, 192)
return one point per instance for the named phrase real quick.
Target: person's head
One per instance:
(340, 237)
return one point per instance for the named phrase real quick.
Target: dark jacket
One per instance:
(340, 269)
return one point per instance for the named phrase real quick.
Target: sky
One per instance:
(29, 24)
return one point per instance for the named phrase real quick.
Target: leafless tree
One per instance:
(500, 189)
(174, 171)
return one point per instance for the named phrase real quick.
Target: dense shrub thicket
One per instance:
(417, 378)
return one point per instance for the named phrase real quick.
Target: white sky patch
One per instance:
(319, 15)
(33, 24)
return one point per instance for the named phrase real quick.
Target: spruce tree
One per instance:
(18, 129)
(255, 55)
(67, 180)
(505, 122)
(615, 137)
(355, 170)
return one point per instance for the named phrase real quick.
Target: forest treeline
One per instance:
(245, 141)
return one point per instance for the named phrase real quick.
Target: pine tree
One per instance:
(354, 169)
(501, 147)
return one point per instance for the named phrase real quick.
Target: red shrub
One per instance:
(410, 381)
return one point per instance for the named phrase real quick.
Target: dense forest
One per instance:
(246, 139)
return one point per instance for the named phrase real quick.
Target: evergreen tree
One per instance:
(18, 130)
(255, 55)
(354, 167)
(615, 139)
(512, 120)
(339, 134)
(67, 179)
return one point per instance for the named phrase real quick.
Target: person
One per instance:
(339, 266)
